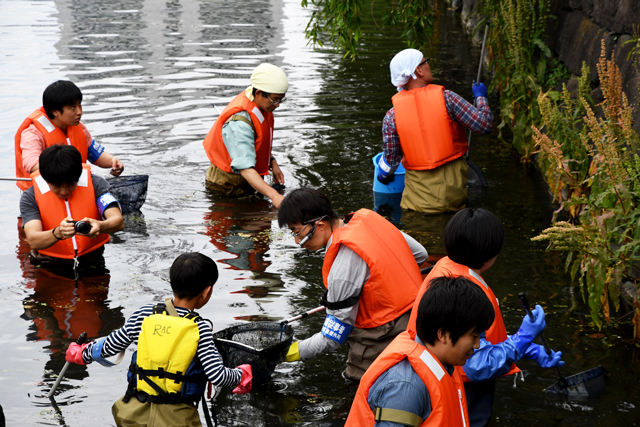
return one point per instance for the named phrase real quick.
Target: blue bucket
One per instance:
(397, 186)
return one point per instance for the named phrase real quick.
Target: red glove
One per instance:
(74, 353)
(245, 381)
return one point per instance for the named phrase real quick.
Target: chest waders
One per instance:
(165, 369)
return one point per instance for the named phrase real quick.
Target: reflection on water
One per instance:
(151, 72)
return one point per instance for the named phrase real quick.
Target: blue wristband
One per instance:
(336, 330)
(94, 152)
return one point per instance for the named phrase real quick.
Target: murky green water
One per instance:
(151, 73)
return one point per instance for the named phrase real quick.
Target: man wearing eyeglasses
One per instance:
(370, 271)
(240, 141)
(425, 130)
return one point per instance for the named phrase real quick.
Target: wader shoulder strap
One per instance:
(339, 305)
(398, 416)
(242, 119)
(171, 310)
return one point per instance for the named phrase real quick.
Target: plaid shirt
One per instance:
(479, 120)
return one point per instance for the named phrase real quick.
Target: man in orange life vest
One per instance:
(473, 238)
(58, 122)
(370, 271)
(64, 191)
(240, 141)
(413, 382)
(425, 129)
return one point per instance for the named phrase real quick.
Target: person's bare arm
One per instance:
(107, 160)
(255, 180)
(113, 222)
(42, 239)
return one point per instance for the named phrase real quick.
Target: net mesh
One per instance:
(586, 384)
(261, 344)
(131, 191)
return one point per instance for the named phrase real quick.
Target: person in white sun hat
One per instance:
(425, 130)
(240, 141)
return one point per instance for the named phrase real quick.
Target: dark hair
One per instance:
(455, 305)
(60, 94)
(60, 164)
(473, 237)
(255, 90)
(191, 273)
(304, 204)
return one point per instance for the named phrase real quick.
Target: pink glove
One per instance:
(245, 381)
(74, 353)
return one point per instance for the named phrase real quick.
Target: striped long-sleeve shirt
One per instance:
(207, 352)
(479, 120)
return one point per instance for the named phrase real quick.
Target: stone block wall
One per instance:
(575, 33)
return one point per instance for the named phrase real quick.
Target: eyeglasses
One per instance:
(306, 223)
(426, 60)
(277, 101)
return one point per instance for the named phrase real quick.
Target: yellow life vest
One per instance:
(166, 348)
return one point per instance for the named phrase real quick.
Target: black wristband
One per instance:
(54, 234)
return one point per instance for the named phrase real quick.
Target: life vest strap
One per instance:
(338, 305)
(398, 416)
(238, 117)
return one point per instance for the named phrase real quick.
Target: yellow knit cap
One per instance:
(268, 78)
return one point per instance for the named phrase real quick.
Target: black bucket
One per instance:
(131, 191)
(263, 345)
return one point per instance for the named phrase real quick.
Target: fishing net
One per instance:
(586, 384)
(261, 344)
(131, 191)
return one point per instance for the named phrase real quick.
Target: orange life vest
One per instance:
(52, 135)
(263, 125)
(446, 392)
(428, 136)
(80, 204)
(496, 334)
(394, 273)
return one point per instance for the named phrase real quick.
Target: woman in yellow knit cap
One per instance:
(239, 143)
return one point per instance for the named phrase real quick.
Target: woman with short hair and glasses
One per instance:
(239, 143)
(425, 130)
(370, 271)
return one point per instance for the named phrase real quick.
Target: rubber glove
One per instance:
(528, 331)
(74, 353)
(479, 89)
(386, 180)
(293, 354)
(385, 171)
(539, 354)
(245, 382)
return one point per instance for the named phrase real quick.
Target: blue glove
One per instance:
(386, 180)
(528, 331)
(538, 353)
(479, 89)
(385, 171)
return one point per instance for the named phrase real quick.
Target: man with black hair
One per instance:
(65, 193)
(370, 271)
(176, 353)
(473, 239)
(240, 141)
(58, 122)
(413, 382)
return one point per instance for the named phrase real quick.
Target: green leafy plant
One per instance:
(519, 60)
(596, 171)
(339, 22)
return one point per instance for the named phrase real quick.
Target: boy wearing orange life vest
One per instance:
(58, 122)
(473, 239)
(413, 382)
(425, 130)
(64, 192)
(239, 143)
(370, 271)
